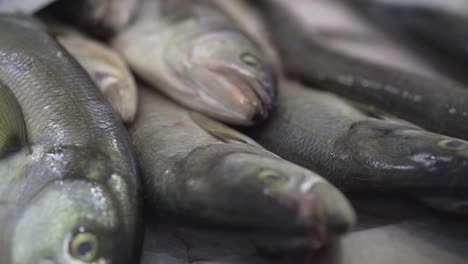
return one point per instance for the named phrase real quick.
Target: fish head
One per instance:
(70, 221)
(395, 147)
(267, 192)
(227, 74)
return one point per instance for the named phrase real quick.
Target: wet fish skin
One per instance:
(427, 20)
(101, 18)
(436, 29)
(72, 192)
(359, 150)
(198, 169)
(193, 53)
(104, 66)
(437, 105)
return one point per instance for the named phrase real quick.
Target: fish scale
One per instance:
(206, 173)
(438, 105)
(359, 150)
(80, 168)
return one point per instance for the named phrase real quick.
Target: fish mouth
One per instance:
(325, 213)
(233, 97)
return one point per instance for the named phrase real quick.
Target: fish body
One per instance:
(69, 192)
(105, 67)
(250, 22)
(357, 148)
(101, 18)
(199, 170)
(434, 104)
(193, 53)
(436, 29)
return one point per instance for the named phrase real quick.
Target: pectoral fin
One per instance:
(12, 126)
(221, 131)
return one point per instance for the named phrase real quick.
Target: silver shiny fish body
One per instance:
(436, 29)
(108, 71)
(72, 196)
(193, 53)
(361, 149)
(199, 170)
(434, 104)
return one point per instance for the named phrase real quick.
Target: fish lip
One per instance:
(239, 113)
(312, 215)
(263, 91)
(325, 212)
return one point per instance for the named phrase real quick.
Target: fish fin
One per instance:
(376, 113)
(220, 131)
(12, 126)
(370, 110)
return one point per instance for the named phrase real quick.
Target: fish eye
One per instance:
(272, 178)
(452, 144)
(249, 59)
(84, 246)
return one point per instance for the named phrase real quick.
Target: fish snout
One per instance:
(232, 98)
(326, 212)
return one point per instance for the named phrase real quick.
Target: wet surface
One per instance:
(389, 231)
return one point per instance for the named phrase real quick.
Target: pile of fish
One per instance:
(231, 115)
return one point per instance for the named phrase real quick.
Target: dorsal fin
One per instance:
(12, 126)
(376, 113)
(369, 110)
(220, 131)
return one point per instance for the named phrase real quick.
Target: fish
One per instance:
(24, 6)
(436, 29)
(340, 27)
(359, 148)
(438, 105)
(105, 67)
(249, 21)
(195, 54)
(100, 18)
(449, 204)
(69, 192)
(198, 169)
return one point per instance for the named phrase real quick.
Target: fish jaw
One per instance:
(339, 214)
(230, 98)
(325, 212)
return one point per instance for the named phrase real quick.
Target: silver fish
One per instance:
(105, 67)
(202, 171)
(193, 53)
(68, 186)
